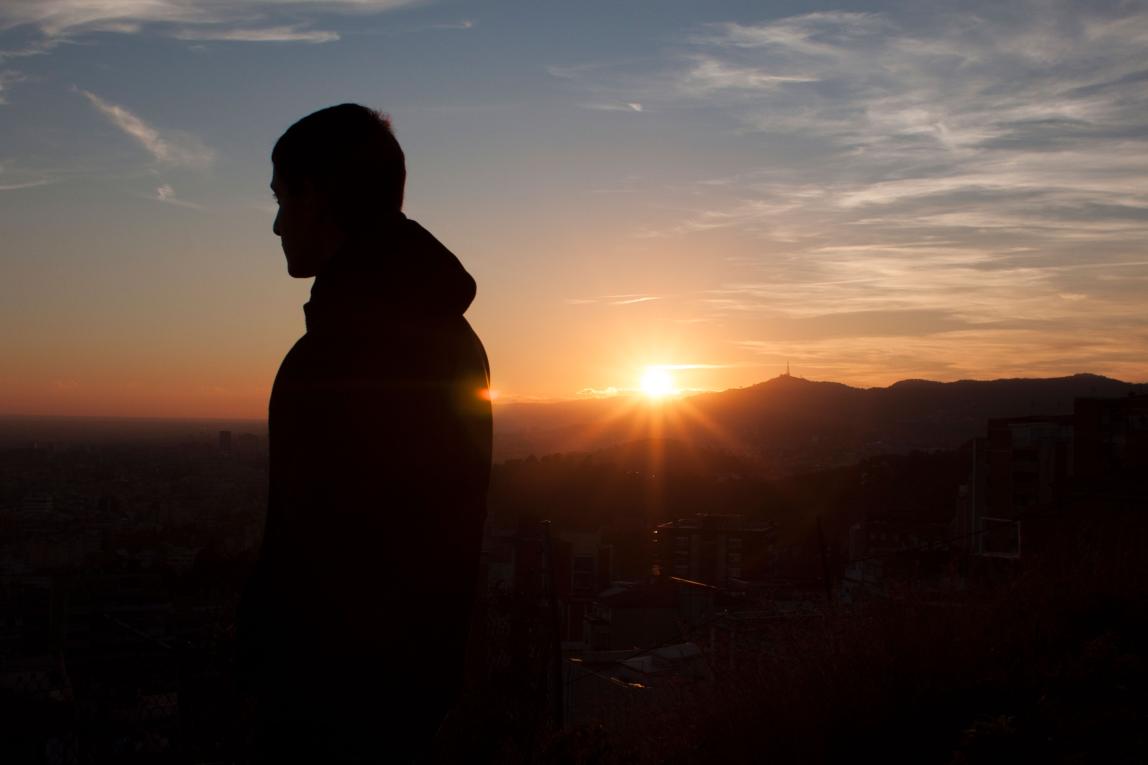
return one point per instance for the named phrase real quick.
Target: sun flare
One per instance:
(657, 382)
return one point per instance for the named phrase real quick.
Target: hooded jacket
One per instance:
(380, 448)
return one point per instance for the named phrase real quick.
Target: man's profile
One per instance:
(354, 623)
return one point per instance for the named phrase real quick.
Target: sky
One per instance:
(867, 192)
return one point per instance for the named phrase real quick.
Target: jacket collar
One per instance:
(395, 270)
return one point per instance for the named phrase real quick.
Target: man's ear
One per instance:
(331, 219)
(315, 197)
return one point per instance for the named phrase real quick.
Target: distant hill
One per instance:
(789, 424)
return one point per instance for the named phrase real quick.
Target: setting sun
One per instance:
(657, 382)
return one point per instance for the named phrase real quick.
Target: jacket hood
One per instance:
(396, 270)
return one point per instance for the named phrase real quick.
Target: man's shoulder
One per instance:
(409, 347)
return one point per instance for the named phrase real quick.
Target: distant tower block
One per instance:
(225, 441)
(787, 369)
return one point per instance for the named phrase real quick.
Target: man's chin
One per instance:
(298, 271)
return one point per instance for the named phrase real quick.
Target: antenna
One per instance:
(787, 369)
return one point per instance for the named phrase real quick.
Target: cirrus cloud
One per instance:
(168, 148)
(219, 20)
(8, 78)
(944, 177)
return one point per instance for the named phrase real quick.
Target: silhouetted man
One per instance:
(354, 624)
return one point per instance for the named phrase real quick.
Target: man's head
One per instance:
(336, 172)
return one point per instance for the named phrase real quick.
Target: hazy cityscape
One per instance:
(625, 589)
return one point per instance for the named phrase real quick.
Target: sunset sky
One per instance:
(868, 191)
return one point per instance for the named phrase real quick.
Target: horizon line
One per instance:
(621, 394)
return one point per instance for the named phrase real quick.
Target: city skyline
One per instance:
(870, 191)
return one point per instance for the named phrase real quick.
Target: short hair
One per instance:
(350, 154)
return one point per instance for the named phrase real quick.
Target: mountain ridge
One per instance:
(791, 423)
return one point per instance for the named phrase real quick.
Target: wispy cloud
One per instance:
(945, 178)
(256, 34)
(24, 184)
(625, 106)
(14, 179)
(600, 392)
(165, 193)
(8, 78)
(899, 116)
(169, 148)
(627, 299)
(709, 74)
(248, 21)
(463, 24)
(818, 34)
(34, 48)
